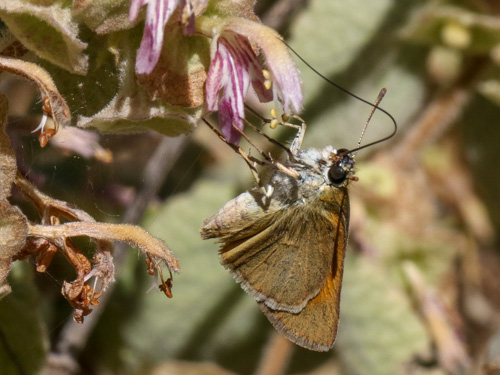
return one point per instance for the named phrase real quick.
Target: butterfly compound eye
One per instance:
(337, 174)
(341, 169)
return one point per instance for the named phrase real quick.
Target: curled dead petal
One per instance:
(94, 277)
(13, 234)
(82, 293)
(85, 291)
(103, 269)
(8, 165)
(130, 234)
(54, 103)
(82, 142)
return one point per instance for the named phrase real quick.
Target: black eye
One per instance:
(337, 174)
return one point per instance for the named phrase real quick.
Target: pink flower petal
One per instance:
(217, 74)
(233, 97)
(254, 67)
(286, 78)
(157, 15)
(226, 87)
(228, 117)
(190, 10)
(235, 65)
(135, 6)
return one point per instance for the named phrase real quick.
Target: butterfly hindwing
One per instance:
(315, 327)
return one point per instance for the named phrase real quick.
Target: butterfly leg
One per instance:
(268, 159)
(250, 160)
(299, 137)
(297, 141)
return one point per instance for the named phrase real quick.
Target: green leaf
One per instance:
(132, 108)
(103, 16)
(379, 332)
(47, 28)
(23, 341)
(110, 99)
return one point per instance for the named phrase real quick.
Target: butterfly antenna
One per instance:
(377, 102)
(375, 106)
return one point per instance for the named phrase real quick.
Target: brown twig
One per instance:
(276, 356)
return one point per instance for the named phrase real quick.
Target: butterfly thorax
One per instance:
(319, 184)
(320, 171)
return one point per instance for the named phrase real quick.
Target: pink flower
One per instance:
(234, 65)
(236, 50)
(157, 15)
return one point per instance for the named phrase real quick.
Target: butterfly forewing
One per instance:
(285, 268)
(315, 327)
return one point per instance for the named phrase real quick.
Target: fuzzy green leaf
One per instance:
(23, 341)
(379, 333)
(47, 28)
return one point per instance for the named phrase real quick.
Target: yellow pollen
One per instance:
(274, 114)
(274, 123)
(268, 79)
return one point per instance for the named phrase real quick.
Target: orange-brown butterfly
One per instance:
(285, 241)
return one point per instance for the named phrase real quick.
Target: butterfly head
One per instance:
(341, 168)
